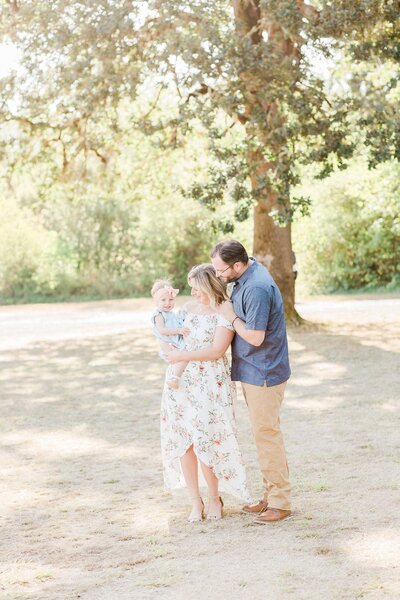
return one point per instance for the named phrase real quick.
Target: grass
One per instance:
(321, 487)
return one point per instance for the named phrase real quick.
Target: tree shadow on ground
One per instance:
(81, 447)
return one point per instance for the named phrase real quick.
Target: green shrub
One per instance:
(28, 254)
(173, 235)
(351, 239)
(95, 246)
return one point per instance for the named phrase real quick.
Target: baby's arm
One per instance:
(160, 324)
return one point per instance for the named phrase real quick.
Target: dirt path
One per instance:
(83, 512)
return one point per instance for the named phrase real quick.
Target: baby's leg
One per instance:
(164, 349)
(174, 374)
(179, 367)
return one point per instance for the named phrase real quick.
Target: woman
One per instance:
(197, 420)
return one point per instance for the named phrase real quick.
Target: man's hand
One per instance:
(226, 310)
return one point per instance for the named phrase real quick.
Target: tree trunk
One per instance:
(272, 243)
(272, 247)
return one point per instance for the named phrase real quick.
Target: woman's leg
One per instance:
(214, 502)
(190, 474)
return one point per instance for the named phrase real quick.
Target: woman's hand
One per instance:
(174, 356)
(184, 331)
(226, 310)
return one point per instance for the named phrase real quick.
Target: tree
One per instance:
(252, 59)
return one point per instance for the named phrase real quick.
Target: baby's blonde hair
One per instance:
(159, 284)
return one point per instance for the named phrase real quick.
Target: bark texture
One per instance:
(272, 243)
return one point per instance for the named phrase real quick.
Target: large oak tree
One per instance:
(255, 60)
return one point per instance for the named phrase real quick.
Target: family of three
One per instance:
(197, 412)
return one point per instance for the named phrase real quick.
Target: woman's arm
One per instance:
(222, 339)
(255, 337)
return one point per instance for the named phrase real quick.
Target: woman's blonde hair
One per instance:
(206, 280)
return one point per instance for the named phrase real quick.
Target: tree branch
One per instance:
(308, 11)
(205, 89)
(13, 5)
(32, 124)
(155, 103)
(103, 159)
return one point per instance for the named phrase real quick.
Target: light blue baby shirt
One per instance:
(172, 320)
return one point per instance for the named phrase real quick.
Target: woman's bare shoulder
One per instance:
(189, 306)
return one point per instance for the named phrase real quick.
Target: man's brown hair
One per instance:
(231, 251)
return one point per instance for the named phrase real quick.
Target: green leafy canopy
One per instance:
(247, 65)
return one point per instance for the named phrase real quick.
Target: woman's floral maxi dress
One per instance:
(201, 412)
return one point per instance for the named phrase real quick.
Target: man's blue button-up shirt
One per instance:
(258, 302)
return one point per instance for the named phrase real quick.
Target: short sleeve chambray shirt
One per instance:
(258, 302)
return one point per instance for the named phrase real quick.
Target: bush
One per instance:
(93, 246)
(28, 254)
(106, 230)
(351, 239)
(173, 235)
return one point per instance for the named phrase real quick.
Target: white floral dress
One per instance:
(201, 412)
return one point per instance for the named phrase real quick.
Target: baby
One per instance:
(167, 327)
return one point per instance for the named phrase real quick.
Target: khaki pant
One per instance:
(264, 405)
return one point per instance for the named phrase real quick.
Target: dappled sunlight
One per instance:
(42, 399)
(314, 405)
(309, 381)
(312, 373)
(148, 519)
(390, 407)
(378, 548)
(380, 344)
(386, 338)
(22, 575)
(306, 357)
(54, 444)
(82, 465)
(295, 346)
(25, 497)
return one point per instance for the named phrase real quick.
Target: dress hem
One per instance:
(220, 478)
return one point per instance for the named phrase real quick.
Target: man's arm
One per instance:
(255, 337)
(257, 303)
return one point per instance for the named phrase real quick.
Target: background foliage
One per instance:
(351, 238)
(133, 138)
(105, 246)
(111, 232)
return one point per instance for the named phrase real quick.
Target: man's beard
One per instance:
(227, 280)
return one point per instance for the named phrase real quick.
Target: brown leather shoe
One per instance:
(255, 509)
(272, 515)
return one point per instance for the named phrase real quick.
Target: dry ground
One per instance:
(83, 511)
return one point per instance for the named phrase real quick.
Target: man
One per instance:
(260, 362)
